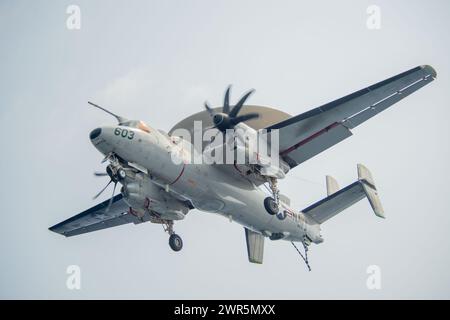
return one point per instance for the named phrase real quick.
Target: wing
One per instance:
(308, 134)
(96, 218)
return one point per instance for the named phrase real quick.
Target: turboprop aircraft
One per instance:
(165, 175)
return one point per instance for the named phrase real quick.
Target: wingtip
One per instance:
(55, 230)
(430, 70)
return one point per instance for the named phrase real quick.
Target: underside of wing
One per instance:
(306, 135)
(97, 218)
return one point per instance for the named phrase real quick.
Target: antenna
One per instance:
(119, 118)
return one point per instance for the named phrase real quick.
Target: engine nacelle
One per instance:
(143, 196)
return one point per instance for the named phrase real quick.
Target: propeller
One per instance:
(114, 178)
(100, 174)
(228, 118)
(112, 197)
(101, 191)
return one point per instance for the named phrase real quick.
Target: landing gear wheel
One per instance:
(122, 174)
(175, 242)
(271, 206)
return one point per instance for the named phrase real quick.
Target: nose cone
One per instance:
(95, 133)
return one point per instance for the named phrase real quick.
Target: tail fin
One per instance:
(339, 200)
(332, 185)
(368, 185)
(255, 246)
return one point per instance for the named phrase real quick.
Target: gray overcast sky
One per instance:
(158, 61)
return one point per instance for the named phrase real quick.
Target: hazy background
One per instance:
(158, 61)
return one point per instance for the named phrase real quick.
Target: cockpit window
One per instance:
(141, 125)
(137, 124)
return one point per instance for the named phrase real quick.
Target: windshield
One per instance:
(137, 124)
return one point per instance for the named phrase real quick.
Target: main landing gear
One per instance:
(175, 241)
(272, 204)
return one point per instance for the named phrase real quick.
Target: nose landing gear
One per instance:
(175, 241)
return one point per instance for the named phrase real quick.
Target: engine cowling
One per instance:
(143, 196)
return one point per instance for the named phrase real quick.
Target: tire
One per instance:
(271, 206)
(121, 174)
(175, 242)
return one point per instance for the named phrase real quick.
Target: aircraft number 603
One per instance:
(124, 133)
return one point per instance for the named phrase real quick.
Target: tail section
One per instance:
(255, 246)
(332, 185)
(368, 185)
(340, 199)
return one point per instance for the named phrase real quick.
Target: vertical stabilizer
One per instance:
(255, 246)
(368, 183)
(332, 185)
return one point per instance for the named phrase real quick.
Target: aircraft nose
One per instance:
(95, 133)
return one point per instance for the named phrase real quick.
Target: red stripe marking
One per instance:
(179, 176)
(131, 211)
(303, 142)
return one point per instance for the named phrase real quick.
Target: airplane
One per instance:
(158, 189)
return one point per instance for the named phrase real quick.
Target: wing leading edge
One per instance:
(308, 134)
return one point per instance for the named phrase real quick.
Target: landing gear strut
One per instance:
(272, 205)
(274, 188)
(175, 241)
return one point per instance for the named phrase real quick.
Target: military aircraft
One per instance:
(161, 183)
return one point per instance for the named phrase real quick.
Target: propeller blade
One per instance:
(214, 138)
(244, 117)
(239, 105)
(208, 108)
(111, 200)
(226, 101)
(209, 128)
(100, 174)
(119, 118)
(101, 191)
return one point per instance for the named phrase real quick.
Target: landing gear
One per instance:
(121, 174)
(271, 206)
(274, 188)
(175, 241)
(115, 168)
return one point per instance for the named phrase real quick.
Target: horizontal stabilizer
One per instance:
(255, 246)
(339, 200)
